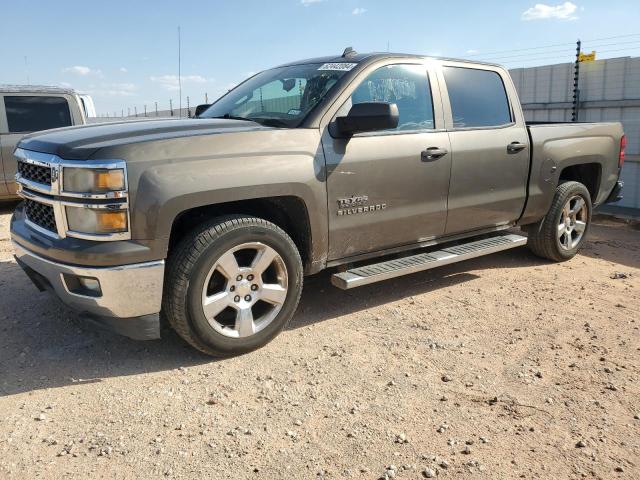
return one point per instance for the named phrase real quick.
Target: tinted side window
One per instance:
(405, 85)
(478, 98)
(31, 114)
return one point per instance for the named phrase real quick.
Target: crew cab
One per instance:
(376, 165)
(31, 108)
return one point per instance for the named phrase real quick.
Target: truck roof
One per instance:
(36, 89)
(359, 57)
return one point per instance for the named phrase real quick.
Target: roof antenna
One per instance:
(349, 52)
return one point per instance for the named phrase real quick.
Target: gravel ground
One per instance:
(501, 367)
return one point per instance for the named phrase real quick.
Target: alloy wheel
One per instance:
(245, 290)
(573, 222)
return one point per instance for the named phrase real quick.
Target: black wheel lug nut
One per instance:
(236, 298)
(239, 278)
(254, 287)
(247, 298)
(232, 288)
(249, 277)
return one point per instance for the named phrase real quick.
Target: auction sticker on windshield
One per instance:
(341, 67)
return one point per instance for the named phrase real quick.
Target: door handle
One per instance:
(515, 147)
(433, 153)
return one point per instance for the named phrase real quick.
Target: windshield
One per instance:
(279, 97)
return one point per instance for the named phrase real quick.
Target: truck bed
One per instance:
(559, 146)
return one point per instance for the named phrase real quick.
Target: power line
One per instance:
(550, 46)
(558, 51)
(527, 54)
(179, 73)
(557, 57)
(617, 36)
(519, 49)
(610, 44)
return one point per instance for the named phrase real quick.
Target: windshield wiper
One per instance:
(269, 122)
(228, 116)
(272, 122)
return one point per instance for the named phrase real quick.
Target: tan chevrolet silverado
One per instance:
(32, 108)
(375, 165)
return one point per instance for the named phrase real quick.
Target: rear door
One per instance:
(490, 147)
(382, 191)
(26, 113)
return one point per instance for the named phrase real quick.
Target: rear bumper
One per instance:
(127, 300)
(616, 193)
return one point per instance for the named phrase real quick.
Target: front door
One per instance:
(383, 191)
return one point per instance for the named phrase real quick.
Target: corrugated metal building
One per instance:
(609, 91)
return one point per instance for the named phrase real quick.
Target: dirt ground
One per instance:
(501, 367)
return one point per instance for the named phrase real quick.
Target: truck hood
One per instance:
(80, 143)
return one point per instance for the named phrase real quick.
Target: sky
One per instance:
(125, 53)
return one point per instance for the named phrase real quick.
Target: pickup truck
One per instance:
(31, 108)
(374, 165)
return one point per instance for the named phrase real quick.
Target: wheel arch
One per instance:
(290, 213)
(589, 174)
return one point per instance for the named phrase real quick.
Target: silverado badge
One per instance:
(357, 204)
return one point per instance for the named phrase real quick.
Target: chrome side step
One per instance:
(377, 272)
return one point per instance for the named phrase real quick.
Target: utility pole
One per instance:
(128, 111)
(156, 103)
(206, 98)
(26, 69)
(145, 109)
(576, 79)
(179, 73)
(188, 109)
(171, 107)
(135, 111)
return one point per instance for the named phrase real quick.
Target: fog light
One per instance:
(85, 286)
(89, 283)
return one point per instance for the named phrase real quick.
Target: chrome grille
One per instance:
(35, 173)
(41, 214)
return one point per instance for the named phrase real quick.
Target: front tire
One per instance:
(562, 232)
(232, 285)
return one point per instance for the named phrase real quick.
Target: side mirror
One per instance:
(202, 108)
(369, 117)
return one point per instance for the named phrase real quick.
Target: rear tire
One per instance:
(232, 285)
(562, 231)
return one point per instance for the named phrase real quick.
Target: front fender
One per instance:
(181, 175)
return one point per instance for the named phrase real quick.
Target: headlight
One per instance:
(89, 180)
(96, 221)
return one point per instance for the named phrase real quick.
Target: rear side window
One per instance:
(31, 114)
(405, 85)
(478, 98)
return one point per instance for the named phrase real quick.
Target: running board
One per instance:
(376, 272)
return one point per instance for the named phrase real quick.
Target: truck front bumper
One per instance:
(126, 298)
